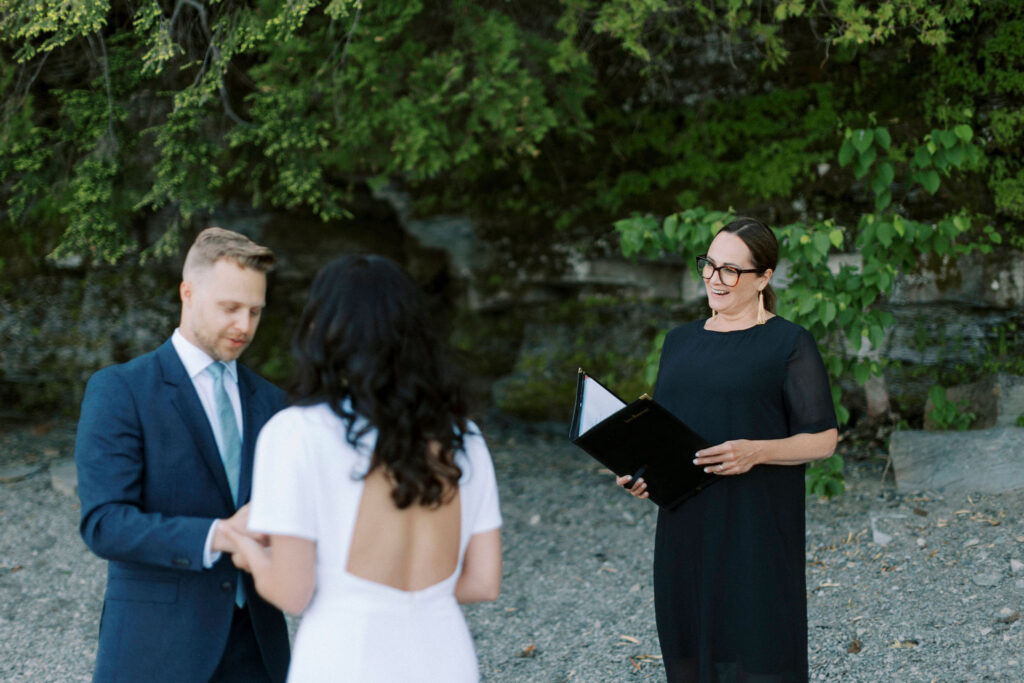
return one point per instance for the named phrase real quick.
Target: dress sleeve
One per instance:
(282, 493)
(483, 482)
(807, 392)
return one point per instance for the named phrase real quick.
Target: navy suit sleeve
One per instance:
(110, 458)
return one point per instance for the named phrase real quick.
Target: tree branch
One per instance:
(200, 10)
(338, 93)
(13, 104)
(227, 105)
(105, 66)
(213, 50)
(348, 37)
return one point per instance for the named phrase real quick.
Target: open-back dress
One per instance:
(307, 483)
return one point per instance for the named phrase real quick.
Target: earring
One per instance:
(762, 317)
(714, 314)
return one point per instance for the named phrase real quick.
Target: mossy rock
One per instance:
(608, 337)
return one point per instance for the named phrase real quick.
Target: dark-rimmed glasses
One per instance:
(729, 275)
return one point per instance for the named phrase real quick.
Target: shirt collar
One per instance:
(195, 359)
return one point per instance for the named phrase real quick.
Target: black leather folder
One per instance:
(639, 439)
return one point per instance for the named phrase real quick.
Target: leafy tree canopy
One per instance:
(529, 113)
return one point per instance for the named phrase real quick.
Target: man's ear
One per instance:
(185, 291)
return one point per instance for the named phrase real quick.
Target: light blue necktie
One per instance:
(230, 445)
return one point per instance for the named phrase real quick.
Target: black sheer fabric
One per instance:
(729, 588)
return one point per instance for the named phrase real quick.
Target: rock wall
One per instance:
(58, 325)
(521, 339)
(952, 317)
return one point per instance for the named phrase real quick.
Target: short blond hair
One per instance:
(214, 244)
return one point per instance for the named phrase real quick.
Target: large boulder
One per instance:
(982, 460)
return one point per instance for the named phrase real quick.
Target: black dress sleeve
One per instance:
(806, 390)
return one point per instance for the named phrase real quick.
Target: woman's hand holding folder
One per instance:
(639, 488)
(729, 458)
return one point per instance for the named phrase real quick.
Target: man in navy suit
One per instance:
(164, 454)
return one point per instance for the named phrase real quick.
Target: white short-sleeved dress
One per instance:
(307, 482)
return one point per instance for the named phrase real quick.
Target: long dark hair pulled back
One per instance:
(366, 336)
(764, 249)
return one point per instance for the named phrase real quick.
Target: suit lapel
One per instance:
(186, 401)
(251, 421)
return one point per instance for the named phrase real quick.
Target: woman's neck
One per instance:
(730, 322)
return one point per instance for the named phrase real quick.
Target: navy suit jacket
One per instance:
(151, 482)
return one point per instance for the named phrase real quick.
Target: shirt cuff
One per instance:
(209, 556)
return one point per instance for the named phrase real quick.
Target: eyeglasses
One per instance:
(727, 274)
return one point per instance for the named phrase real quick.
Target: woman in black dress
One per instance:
(729, 587)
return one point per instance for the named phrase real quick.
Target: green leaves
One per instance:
(862, 140)
(941, 152)
(624, 21)
(91, 208)
(864, 147)
(922, 157)
(846, 152)
(929, 180)
(885, 174)
(945, 413)
(883, 138)
(836, 238)
(640, 236)
(285, 105)
(880, 185)
(825, 478)
(41, 26)
(687, 232)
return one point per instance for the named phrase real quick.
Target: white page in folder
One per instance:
(598, 403)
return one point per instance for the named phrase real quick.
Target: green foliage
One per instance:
(973, 74)
(572, 110)
(947, 414)
(41, 26)
(764, 144)
(653, 359)
(1004, 351)
(838, 305)
(187, 106)
(26, 169)
(825, 479)
(861, 24)
(851, 25)
(942, 151)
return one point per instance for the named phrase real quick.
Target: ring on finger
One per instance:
(721, 467)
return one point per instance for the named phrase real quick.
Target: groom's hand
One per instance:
(239, 557)
(238, 523)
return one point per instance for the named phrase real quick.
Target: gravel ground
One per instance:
(919, 587)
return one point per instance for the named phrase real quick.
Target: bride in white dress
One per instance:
(376, 493)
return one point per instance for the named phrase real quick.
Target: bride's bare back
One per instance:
(408, 549)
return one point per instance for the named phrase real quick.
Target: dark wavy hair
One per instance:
(764, 249)
(366, 335)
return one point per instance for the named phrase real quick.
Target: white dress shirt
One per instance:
(196, 361)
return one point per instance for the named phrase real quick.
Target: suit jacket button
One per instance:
(227, 586)
(181, 562)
